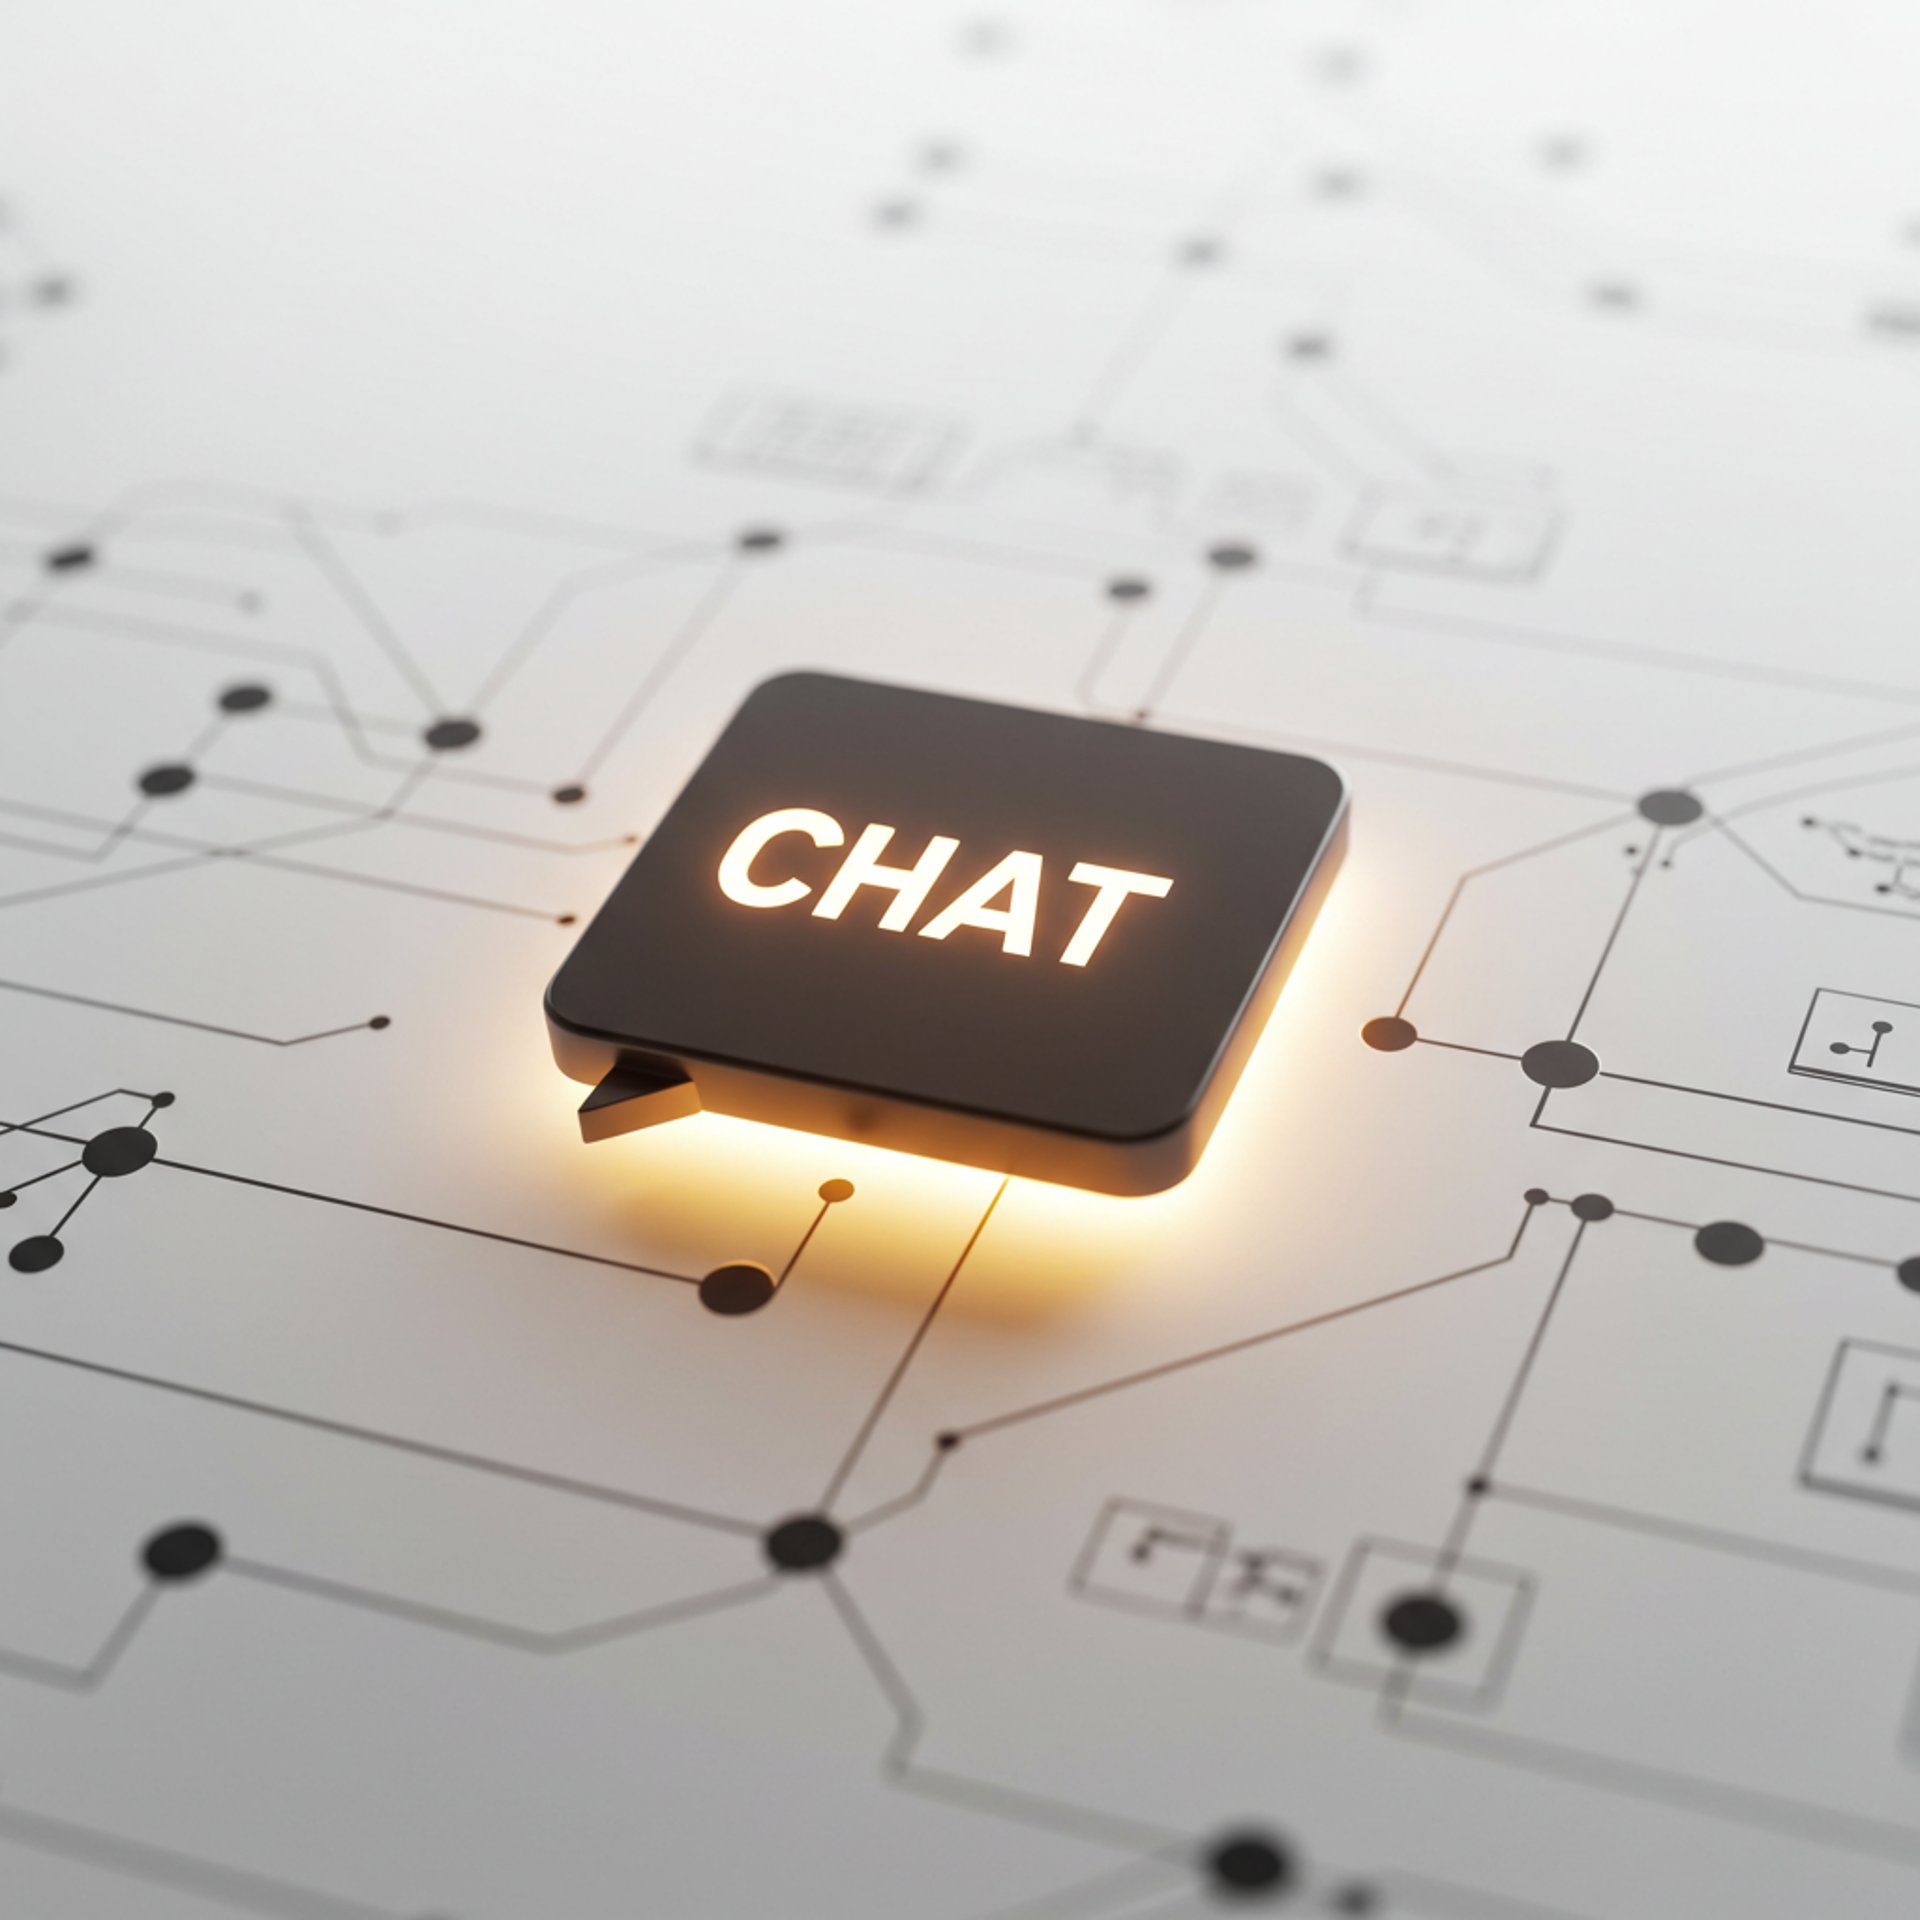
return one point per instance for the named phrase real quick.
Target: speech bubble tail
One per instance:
(630, 1098)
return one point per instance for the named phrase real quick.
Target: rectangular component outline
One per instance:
(1847, 1079)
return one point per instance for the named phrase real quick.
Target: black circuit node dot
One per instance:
(181, 1552)
(1559, 1063)
(1477, 1486)
(1536, 1196)
(163, 1099)
(71, 558)
(807, 1543)
(450, 735)
(741, 1287)
(35, 1254)
(834, 1191)
(171, 776)
(946, 1442)
(569, 796)
(8, 1197)
(1357, 1898)
(1248, 1866)
(1671, 807)
(248, 697)
(1592, 1206)
(1203, 250)
(1908, 1273)
(118, 1151)
(380, 1022)
(1389, 1033)
(1128, 588)
(760, 540)
(1309, 346)
(565, 919)
(1421, 1623)
(1729, 1243)
(1231, 556)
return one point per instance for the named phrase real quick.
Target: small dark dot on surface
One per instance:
(1202, 250)
(182, 1552)
(450, 735)
(1232, 556)
(163, 1099)
(804, 1544)
(1338, 183)
(1908, 1273)
(1478, 1485)
(1729, 1243)
(1128, 588)
(1421, 1623)
(941, 156)
(760, 540)
(1248, 1864)
(248, 697)
(1389, 1033)
(896, 213)
(1536, 1196)
(1559, 1063)
(8, 1197)
(946, 1442)
(740, 1287)
(834, 1191)
(1617, 295)
(1671, 807)
(380, 1022)
(169, 777)
(118, 1151)
(70, 559)
(565, 919)
(35, 1254)
(569, 796)
(1309, 346)
(1357, 1899)
(1592, 1206)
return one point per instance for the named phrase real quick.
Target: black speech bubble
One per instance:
(1107, 1075)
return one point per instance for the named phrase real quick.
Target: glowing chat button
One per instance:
(1024, 941)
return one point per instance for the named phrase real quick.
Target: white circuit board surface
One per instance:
(1488, 1490)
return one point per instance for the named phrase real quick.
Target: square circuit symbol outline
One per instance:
(1107, 1073)
(1863, 1045)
